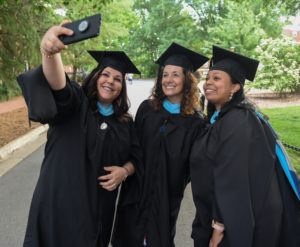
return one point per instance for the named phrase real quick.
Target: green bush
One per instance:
(279, 68)
(7, 93)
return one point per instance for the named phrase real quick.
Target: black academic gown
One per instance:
(69, 207)
(248, 187)
(166, 141)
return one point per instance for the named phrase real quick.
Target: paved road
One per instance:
(16, 189)
(17, 186)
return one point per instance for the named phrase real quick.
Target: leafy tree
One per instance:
(236, 23)
(117, 19)
(24, 22)
(143, 31)
(290, 7)
(199, 23)
(161, 23)
(76, 54)
(241, 31)
(285, 7)
(20, 30)
(280, 69)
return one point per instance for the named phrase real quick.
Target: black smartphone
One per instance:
(86, 28)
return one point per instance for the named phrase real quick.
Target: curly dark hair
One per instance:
(191, 98)
(238, 100)
(121, 104)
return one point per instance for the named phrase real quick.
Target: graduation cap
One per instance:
(115, 59)
(181, 56)
(236, 65)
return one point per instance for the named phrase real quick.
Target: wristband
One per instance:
(217, 227)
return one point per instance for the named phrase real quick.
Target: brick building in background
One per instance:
(293, 31)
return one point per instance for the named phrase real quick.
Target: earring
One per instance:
(230, 97)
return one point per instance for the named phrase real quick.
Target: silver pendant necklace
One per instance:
(103, 126)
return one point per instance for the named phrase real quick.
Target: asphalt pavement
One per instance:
(16, 189)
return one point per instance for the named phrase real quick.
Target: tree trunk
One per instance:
(297, 89)
(74, 73)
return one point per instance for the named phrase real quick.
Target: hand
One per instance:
(51, 44)
(216, 238)
(116, 176)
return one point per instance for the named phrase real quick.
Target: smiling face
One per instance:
(109, 85)
(218, 87)
(173, 83)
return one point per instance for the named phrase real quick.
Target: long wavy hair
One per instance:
(238, 100)
(120, 105)
(191, 98)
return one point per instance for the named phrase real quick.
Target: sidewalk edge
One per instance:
(9, 148)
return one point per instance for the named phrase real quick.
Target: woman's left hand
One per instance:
(116, 176)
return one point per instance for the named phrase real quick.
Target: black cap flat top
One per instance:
(115, 59)
(181, 56)
(237, 66)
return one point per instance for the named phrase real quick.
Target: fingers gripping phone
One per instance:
(86, 28)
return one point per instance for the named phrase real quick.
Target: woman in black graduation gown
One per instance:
(91, 148)
(235, 161)
(167, 125)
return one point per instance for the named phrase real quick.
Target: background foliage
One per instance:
(281, 65)
(144, 29)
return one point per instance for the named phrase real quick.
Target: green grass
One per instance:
(286, 122)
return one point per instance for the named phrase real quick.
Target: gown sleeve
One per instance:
(46, 105)
(37, 95)
(139, 117)
(232, 151)
(202, 189)
(68, 100)
(133, 184)
(216, 213)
